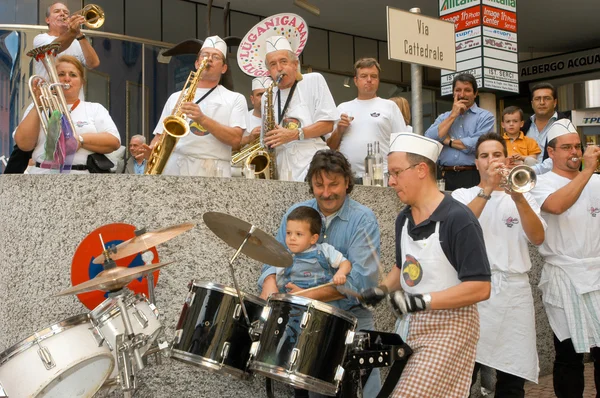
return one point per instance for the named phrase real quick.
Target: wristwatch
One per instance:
(300, 134)
(482, 194)
(80, 37)
(80, 140)
(450, 142)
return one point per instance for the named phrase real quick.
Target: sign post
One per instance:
(420, 41)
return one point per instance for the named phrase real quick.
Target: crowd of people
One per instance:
(460, 285)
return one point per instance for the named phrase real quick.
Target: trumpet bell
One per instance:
(93, 14)
(521, 179)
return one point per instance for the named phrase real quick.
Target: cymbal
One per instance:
(112, 279)
(261, 246)
(145, 241)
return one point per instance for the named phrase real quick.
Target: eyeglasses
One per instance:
(545, 99)
(569, 147)
(214, 57)
(396, 174)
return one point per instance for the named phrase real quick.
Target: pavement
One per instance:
(545, 390)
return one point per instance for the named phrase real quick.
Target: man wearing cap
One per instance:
(441, 272)
(254, 116)
(570, 280)
(509, 220)
(217, 120)
(304, 111)
(348, 226)
(459, 130)
(366, 118)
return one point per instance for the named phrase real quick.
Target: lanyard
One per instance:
(207, 94)
(75, 105)
(287, 102)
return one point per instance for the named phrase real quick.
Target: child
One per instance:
(314, 263)
(521, 149)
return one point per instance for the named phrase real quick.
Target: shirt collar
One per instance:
(439, 214)
(520, 137)
(343, 213)
(554, 116)
(474, 108)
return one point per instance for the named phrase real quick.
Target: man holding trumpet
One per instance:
(65, 29)
(570, 281)
(513, 218)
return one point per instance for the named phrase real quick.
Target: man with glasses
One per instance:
(543, 102)
(365, 119)
(441, 272)
(459, 130)
(570, 280)
(217, 119)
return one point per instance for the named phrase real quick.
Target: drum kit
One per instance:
(220, 329)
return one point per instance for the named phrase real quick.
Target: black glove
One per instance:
(373, 295)
(402, 303)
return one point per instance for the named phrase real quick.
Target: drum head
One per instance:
(83, 269)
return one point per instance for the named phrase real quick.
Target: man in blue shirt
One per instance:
(459, 130)
(136, 164)
(348, 226)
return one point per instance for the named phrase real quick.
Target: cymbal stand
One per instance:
(108, 262)
(237, 289)
(156, 347)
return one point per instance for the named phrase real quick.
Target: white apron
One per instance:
(443, 341)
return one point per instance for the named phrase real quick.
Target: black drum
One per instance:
(212, 332)
(303, 343)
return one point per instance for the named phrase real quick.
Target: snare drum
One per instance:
(212, 332)
(66, 359)
(303, 343)
(144, 319)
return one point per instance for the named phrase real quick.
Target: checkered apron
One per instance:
(444, 342)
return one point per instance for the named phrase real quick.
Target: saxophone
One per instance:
(175, 125)
(255, 153)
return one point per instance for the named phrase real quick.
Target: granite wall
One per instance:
(44, 218)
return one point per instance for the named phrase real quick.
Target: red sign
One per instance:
(83, 269)
(464, 19)
(501, 19)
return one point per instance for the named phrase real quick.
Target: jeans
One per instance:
(507, 385)
(568, 370)
(373, 384)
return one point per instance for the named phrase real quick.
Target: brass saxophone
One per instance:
(175, 125)
(255, 153)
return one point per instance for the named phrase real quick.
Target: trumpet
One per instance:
(93, 14)
(520, 179)
(578, 159)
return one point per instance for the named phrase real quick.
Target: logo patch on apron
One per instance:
(412, 271)
(195, 128)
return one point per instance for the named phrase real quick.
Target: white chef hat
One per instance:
(561, 127)
(215, 42)
(417, 144)
(276, 43)
(261, 82)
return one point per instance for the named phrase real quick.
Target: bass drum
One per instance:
(303, 343)
(212, 332)
(66, 359)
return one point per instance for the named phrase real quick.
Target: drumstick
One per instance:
(313, 288)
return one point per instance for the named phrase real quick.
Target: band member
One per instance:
(570, 280)
(349, 227)
(459, 130)
(95, 131)
(441, 272)
(66, 30)
(217, 119)
(507, 339)
(366, 118)
(254, 119)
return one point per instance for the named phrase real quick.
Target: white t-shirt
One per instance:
(251, 122)
(312, 102)
(505, 239)
(575, 232)
(224, 106)
(43, 39)
(88, 117)
(374, 120)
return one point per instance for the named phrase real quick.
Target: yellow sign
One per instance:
(417, 39)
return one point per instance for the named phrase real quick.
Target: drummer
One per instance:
(351, 228)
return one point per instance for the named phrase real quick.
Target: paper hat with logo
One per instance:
(215, 42)
(258, 83)
(561, 127)
(417, 144)
(291, 29)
